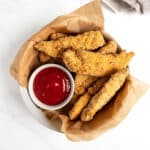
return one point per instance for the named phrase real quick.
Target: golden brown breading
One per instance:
(97, 85)
(56, 36)
(110, 47)
(65, 109)
(84, 99)
(105, 94)
(86, 41)
(79, 105)
(44, 57)
(82, 82)
(95, 64)
(74, 98)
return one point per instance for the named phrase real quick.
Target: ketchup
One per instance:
(51, 86)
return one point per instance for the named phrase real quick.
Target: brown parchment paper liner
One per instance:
(88, 17)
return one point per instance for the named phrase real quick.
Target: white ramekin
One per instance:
(36, 100)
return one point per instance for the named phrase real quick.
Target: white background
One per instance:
(19, 19)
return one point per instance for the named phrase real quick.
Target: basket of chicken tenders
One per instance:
(78, 75)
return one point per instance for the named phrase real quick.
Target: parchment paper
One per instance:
(88, 17)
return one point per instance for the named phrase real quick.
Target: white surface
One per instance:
(18, 129)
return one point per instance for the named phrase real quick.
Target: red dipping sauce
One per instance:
(51, 86)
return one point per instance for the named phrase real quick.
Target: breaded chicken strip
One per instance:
(84, 99)
(56, 36)
(95, 64)
(79, 105)
(97, 85)
(44, 57)
(105, 94)
(110, 47)
(82, 82)
(74, 98)
(86, 41)
(65, 109)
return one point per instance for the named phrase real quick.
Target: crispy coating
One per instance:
(44, 57)
(74, 98)
(75, 111)
(105, 94)
(84, 99)
(95, 64)
(79, 105)
(65, 109)
(86, 41)
(82, 82)
(110, 47)
(97, 85)
(56, 36)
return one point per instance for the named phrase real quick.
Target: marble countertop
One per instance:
(18, 129)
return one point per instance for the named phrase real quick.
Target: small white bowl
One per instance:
(36, 100)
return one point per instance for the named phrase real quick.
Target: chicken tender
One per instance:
(44, 57)
(86, 41)
(84, 99)
(105, 94)
(65, 109)
(97, 85)
(74, 98)
(56, 36)
(110, 47)
(95, 64)
(82, 82)
(79, 105)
